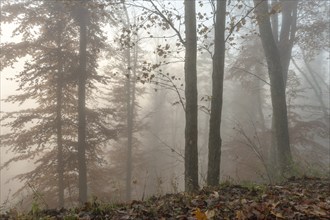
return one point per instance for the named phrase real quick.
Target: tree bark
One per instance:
(59, 92)
(259, 101)
(274, 21)
(287, 34)
(284, 39)
(273, 145)
(276, 76)
(82, 103)
(129, 106)
(191, 129)
(214, 157)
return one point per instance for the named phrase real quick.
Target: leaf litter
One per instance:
(297, 198)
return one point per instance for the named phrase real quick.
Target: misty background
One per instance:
(131, 50)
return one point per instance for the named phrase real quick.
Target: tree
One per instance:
(277, 84)
(190, 69)
(131, 57)
(83, 23)
(125, 156)
(213, 173)
(165, 19)
(285, 38)
(252, 135)
(36, 132)
(41, 81)
(59, 97)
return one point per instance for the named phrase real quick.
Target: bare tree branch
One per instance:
(169, 22)
(252, 75)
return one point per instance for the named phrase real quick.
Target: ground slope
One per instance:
(302, 198)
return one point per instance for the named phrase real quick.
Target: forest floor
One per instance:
(297, 198)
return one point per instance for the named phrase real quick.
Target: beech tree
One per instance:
(277, 86)
(213, 173)
(165, 19)
(131, 56)
(284, 38)
(248, 69)
(190, 69)
(285, 30)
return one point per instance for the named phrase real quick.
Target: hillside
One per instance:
(302, 198)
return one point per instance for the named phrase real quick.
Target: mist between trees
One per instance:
(121, 100)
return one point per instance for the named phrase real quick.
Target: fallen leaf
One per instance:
(210, 214)
(200, 215)
(240, 215)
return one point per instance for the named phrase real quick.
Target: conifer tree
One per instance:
(47, 131)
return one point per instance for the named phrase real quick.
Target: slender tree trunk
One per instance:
(276, 76)
(273, 152)
(287, 34)
(130, 101)
(260, 114)
(191, 128)
(60, 165)
(131, 109)
(274, 20)
(82, 104)
(59, 92)
(213, 172)
(129, 128)
(273, 145)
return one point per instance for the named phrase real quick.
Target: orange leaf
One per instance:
(240, 215)
(200, 215)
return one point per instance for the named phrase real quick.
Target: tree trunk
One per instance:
(274, 20)
(59, 92)
(273, 145)
(284, 39)
(129, 126)
(213, 173)
(259, 101)
(130, 102)
(276, 76)
(287, 34)
(191, 129)
(60, 162)
(82, 104)
(129, 105)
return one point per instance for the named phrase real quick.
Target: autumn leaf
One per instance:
(240, 215)
(200, 215)
(210, 214)
(278, 215)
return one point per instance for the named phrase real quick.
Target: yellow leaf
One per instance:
(240, 215)
(278, 215)
(200, 215)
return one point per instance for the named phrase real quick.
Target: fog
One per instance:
(135, 93)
